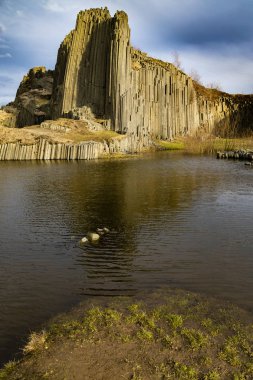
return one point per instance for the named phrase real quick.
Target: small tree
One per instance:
(195, 76)
(214, 86)
(176, 60)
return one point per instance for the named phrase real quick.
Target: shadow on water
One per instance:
(175, 221)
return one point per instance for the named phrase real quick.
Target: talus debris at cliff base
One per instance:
(100, 78)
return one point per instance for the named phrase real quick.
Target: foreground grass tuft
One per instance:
(176, 335)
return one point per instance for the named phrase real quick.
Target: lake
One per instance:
(175, 220)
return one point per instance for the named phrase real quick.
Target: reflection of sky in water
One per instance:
(175, 220)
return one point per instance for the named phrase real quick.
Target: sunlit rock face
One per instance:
(98, 67)
(99, 73)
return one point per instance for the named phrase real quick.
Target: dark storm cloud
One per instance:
(205, 32)
(200, 22)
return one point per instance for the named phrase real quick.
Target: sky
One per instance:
(211, 37)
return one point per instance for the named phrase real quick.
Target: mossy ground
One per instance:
(166, 335)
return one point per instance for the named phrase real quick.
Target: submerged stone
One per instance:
(92, 236)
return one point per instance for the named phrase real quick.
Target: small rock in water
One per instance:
(92, 236)
(248, 163)
(102, 231)
(84, 240)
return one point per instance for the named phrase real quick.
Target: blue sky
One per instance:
(212, 37)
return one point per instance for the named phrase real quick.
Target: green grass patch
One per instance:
(170, 145)
(173, 336)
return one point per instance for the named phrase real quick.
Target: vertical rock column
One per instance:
(83, 58)
(118, 85)
(45, 150)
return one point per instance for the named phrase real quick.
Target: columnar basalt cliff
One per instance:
(139, 95)
(98, 68)
(100, 76)
(224, 114)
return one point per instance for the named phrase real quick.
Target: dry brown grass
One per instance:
(206, 145)
(36, 342)
(6, 119)
(208, 93)
(76, 132)
(210, 145)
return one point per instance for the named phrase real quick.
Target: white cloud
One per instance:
(233, 72)
(53, 6)
(6, 55)
(2, 28)
(20, 13)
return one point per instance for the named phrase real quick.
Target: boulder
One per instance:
(93, 236)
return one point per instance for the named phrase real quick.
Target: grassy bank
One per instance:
(208, 145)
(166, 335)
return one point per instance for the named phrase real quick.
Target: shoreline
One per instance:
(173, 333)
(44, 149)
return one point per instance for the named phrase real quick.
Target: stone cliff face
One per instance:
(33, 97)
(98, 68)
(99, 73)
(138, 95)
(224, 114)
(81, 68)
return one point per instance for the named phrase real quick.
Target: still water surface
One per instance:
(176, 221)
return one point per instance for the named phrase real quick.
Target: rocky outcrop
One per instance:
(224, 114)
(62, 139)
(81, 71)
(46, 150)
(33, 97)
(138, 95)
(8, 117)
(102, 80)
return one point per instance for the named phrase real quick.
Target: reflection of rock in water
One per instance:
(171, 216)
(124, 196)
(107, 267)
(127, 203)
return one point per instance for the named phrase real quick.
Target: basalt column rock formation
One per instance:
(100, 78)
(223, 114)
(139, 96)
